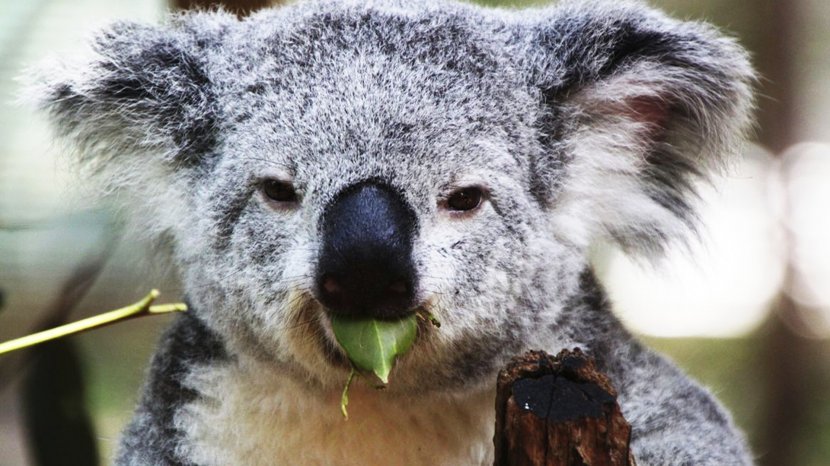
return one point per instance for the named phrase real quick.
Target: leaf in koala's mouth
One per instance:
(373, 345)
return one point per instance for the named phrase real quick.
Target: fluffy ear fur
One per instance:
(137, 111)
(145, 89)
(637, 107)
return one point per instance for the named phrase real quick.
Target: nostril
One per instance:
(398, 287)
(366, 294)
(331, 285)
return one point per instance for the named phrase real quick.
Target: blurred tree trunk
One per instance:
(790, 377)
(776, 59)
(59, 427)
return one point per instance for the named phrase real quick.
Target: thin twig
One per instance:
(139, 309)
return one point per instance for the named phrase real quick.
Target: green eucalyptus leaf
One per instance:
(373, 345)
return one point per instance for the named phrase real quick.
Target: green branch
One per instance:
(139, 309)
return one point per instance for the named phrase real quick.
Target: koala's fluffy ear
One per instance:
(138, 114)
(143, 93)
(637, 108)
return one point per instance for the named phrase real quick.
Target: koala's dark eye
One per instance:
(280, 191)
(465, 199)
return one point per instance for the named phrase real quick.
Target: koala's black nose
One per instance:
(365, 267)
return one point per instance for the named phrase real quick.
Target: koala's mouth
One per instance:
(335, 355)
(312, 339)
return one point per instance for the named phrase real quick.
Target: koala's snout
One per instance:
(365, 266)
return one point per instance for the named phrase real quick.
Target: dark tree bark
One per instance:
(558, 411)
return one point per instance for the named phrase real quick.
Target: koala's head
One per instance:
(381, 158)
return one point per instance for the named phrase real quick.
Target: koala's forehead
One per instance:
(382, 90)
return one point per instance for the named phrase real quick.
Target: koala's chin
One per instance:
(374, 158)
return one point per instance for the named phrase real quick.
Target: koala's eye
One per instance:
(465, 199)
(280, 191)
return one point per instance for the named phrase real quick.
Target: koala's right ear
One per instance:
(637, 108)
(144, 94)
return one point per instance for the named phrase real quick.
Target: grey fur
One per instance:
(583, 121)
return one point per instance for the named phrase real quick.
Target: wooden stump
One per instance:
(558, 411)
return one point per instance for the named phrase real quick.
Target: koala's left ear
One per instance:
(636, 107)
(143, 96)
(139, 115)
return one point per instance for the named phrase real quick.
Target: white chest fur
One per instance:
(249, 418)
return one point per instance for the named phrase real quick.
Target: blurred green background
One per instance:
(748, 315)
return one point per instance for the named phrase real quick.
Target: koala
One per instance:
(379, 158)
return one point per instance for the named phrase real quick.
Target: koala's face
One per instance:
(375, 178)
(378, 160)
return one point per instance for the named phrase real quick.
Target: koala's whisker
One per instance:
(436, 277)
(301, 324)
